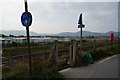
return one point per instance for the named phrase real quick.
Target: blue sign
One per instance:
(26, 19)
(81, 26)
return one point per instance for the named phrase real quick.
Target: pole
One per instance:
(28, 42)
(26, 6)
(81, 42)
(29, 54)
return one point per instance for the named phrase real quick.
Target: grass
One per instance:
(63, 62)
(96, 55)
(20, 71)
(40, 67)
(12, 51)
(43, 69)
(62, 46)
(23, 50)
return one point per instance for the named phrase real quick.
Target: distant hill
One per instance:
(85, 33)
(18, 32)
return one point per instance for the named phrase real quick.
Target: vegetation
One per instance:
(46, 68)
(39, 70)
(21, 50)
(97, 55)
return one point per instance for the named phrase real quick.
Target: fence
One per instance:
(59, 49)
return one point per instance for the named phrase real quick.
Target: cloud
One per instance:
(55, 17)
(60, 0)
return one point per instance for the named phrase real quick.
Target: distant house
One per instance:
(41, 40)
(5, 42)
(20, 41)
(36, 40)
(64, 39)
(67, 39)
(48, 40)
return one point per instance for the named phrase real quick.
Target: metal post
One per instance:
(81, 42)
(28, 42)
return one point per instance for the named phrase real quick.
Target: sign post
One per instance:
(80, 26)
(26, 20)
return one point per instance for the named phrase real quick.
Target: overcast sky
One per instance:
(60, 16)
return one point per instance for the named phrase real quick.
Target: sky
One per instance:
(55, 16)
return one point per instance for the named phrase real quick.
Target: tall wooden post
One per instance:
(56, 49)
(74, 51)
(106, 43)
(29, 54)
(56, 54)
(111, 43)
(28, 42)
(94, 44)
(71, 53)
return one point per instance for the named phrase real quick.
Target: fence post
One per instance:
(11, 59)
(111, 44)
(94, 44)
(56, 54)
(56, 49)
(70, 53)
(51, 53)
(74, 51)
(116, 43)
(53, 57)
(106, 44)
(8, 60)
(23, 59)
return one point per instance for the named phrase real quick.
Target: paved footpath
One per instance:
(105, 68)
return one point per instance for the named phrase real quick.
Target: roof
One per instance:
(19, 38)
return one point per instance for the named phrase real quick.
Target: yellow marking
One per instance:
(25, 21)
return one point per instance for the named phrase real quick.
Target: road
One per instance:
(105, 68)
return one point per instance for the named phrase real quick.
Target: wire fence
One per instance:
(62, 48)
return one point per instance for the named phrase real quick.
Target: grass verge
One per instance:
(20, 71)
